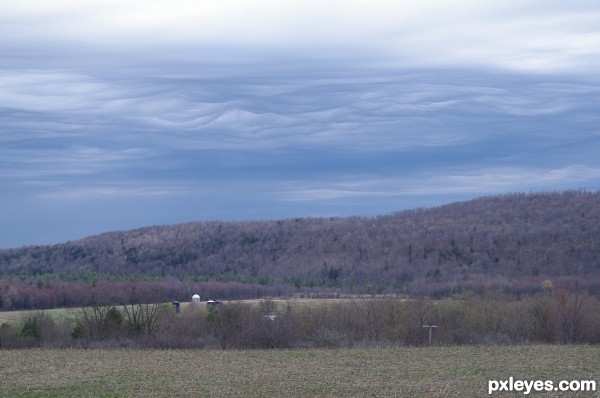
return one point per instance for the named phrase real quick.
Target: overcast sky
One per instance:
(116, 115)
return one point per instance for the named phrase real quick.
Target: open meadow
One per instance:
(395, 372)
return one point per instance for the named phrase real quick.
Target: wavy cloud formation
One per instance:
(118, 115)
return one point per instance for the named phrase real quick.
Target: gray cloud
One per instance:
(151, 114)
(97, 126)
(441, 182)
(518, 35)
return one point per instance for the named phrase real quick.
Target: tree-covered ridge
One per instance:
(502, 241)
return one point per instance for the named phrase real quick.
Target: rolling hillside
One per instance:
(513, 241)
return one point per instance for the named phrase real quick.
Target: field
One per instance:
(72, 313)
(54, 313)
(398, 372)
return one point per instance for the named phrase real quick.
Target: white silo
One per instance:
(195, 300)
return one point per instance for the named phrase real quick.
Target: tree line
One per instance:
(553, 316)
(29, 294)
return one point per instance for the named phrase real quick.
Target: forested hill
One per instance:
(501, 241)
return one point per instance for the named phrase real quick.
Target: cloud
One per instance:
(265, 108)
(441, 182)
(102, 126)
(103, 192)
(532, 35)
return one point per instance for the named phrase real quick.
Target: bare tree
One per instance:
(142, 316)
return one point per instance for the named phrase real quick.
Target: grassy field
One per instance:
(71, 313)
(55, 313)
(398, 372)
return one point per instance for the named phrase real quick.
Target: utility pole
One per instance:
(430, 327)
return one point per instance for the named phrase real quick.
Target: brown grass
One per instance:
(398, 372)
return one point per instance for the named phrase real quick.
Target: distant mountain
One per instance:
(501, 241)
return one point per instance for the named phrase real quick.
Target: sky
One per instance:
(117, 115)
